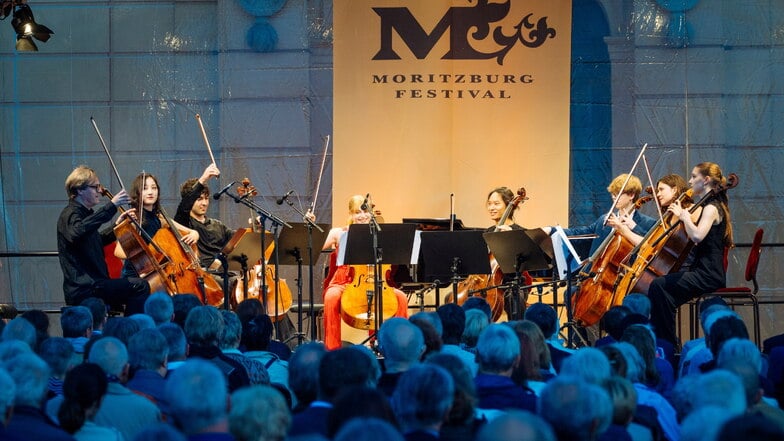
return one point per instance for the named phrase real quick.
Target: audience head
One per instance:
(643, 339)
(257, 333)
(724, 329)
(111, 355)
(31, 377)
(623, 397)
(740, 349)
(694, 427)
(76, 321)
(637, 304)
(121, 328)
(433, 343)
(366, 429)
(144, 321)
(160, 432)
(344, 368)
(7, 395)
(401, 342)
(476, 302)
(176, 341)
(249, 308)
(22, 330)
(40, 321)
(304, 372)
(749, 376)
(159, 306)
(516, 425)
(544, 316)
(616, 359)
(498, 350)
(232, 331)
(587, 364)
(148, 350)
(58, 353)
(453, 321)
(204, 326)
(713, 313)
(719, 388)
(11, 348)
(534, 352)
(183, 303)
(358, 402)
(476, 322)
(429, 317)
(83, 390)
(635, 365)
(422, 398)
(465, 400)
(97, 308)
(681, 396)
(612, 321)
(259, 413)
(197, 395)
(575, 409)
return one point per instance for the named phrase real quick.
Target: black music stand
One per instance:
(394, 246)
(453, 255)
(295, 244)
(517, 251)
(435, 224)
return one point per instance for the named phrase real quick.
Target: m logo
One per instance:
(462, 22)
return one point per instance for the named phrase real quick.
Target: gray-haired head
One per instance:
(429, 317)
(160, 432)
(22, 330)
(76, 321)
(638, 304)
(422, 398)
(175, 338)
(367, 429)
(576, 409)
(475, 323)
(694, 427)
(259, 413)
(204, 326)
(516, 425)
(111, 355)
(160, 307)
(197, 395)
(588, 364)
(148, 350)
(497, 349)
(31, 377)
(304, 371)
(144, 321)
(402, 343)
(740, 349)
(719, 388)
(11, 348)
(232, 330)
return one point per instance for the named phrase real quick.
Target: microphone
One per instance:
(217, 195)
(284, 197)
(364, 206)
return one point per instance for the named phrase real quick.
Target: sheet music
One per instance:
(564, 251)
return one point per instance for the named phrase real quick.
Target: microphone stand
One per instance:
(378, 286)
(310, 225)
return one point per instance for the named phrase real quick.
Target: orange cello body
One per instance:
(358, 301)
(150, 263)
(283, 296)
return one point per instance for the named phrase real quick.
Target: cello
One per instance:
(596, 294)
(664, 248)
(276, 298)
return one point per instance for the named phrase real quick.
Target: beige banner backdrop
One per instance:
(435, 97)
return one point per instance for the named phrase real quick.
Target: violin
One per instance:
(596, 294)
(665, 247)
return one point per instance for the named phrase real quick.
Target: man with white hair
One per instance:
(402, 343)
(121, 408)
(198, 401)
(498, 353)
(30, 375)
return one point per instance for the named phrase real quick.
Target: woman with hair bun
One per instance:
(83, 391)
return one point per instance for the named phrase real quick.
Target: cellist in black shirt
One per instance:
(80, 245)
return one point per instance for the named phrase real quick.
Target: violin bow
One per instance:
(321, 173)
(109, 155)
(655, 199)
(626, 182)
(206, 141)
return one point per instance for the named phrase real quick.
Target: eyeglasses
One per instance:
(96, 187)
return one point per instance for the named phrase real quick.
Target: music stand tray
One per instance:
(246, 245)
(434, 224)
(292, 241)
(441, 248)
(530, 249)
(395, 240)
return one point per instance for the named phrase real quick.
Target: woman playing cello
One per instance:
(497, 204)
(668, 189)
(710, 229)
(145, 198)
(343, 276)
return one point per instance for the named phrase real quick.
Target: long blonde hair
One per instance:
(355, 203)
(712, 171)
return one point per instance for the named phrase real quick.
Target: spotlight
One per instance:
(26, 28)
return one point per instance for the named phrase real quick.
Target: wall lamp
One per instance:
(24, 25)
